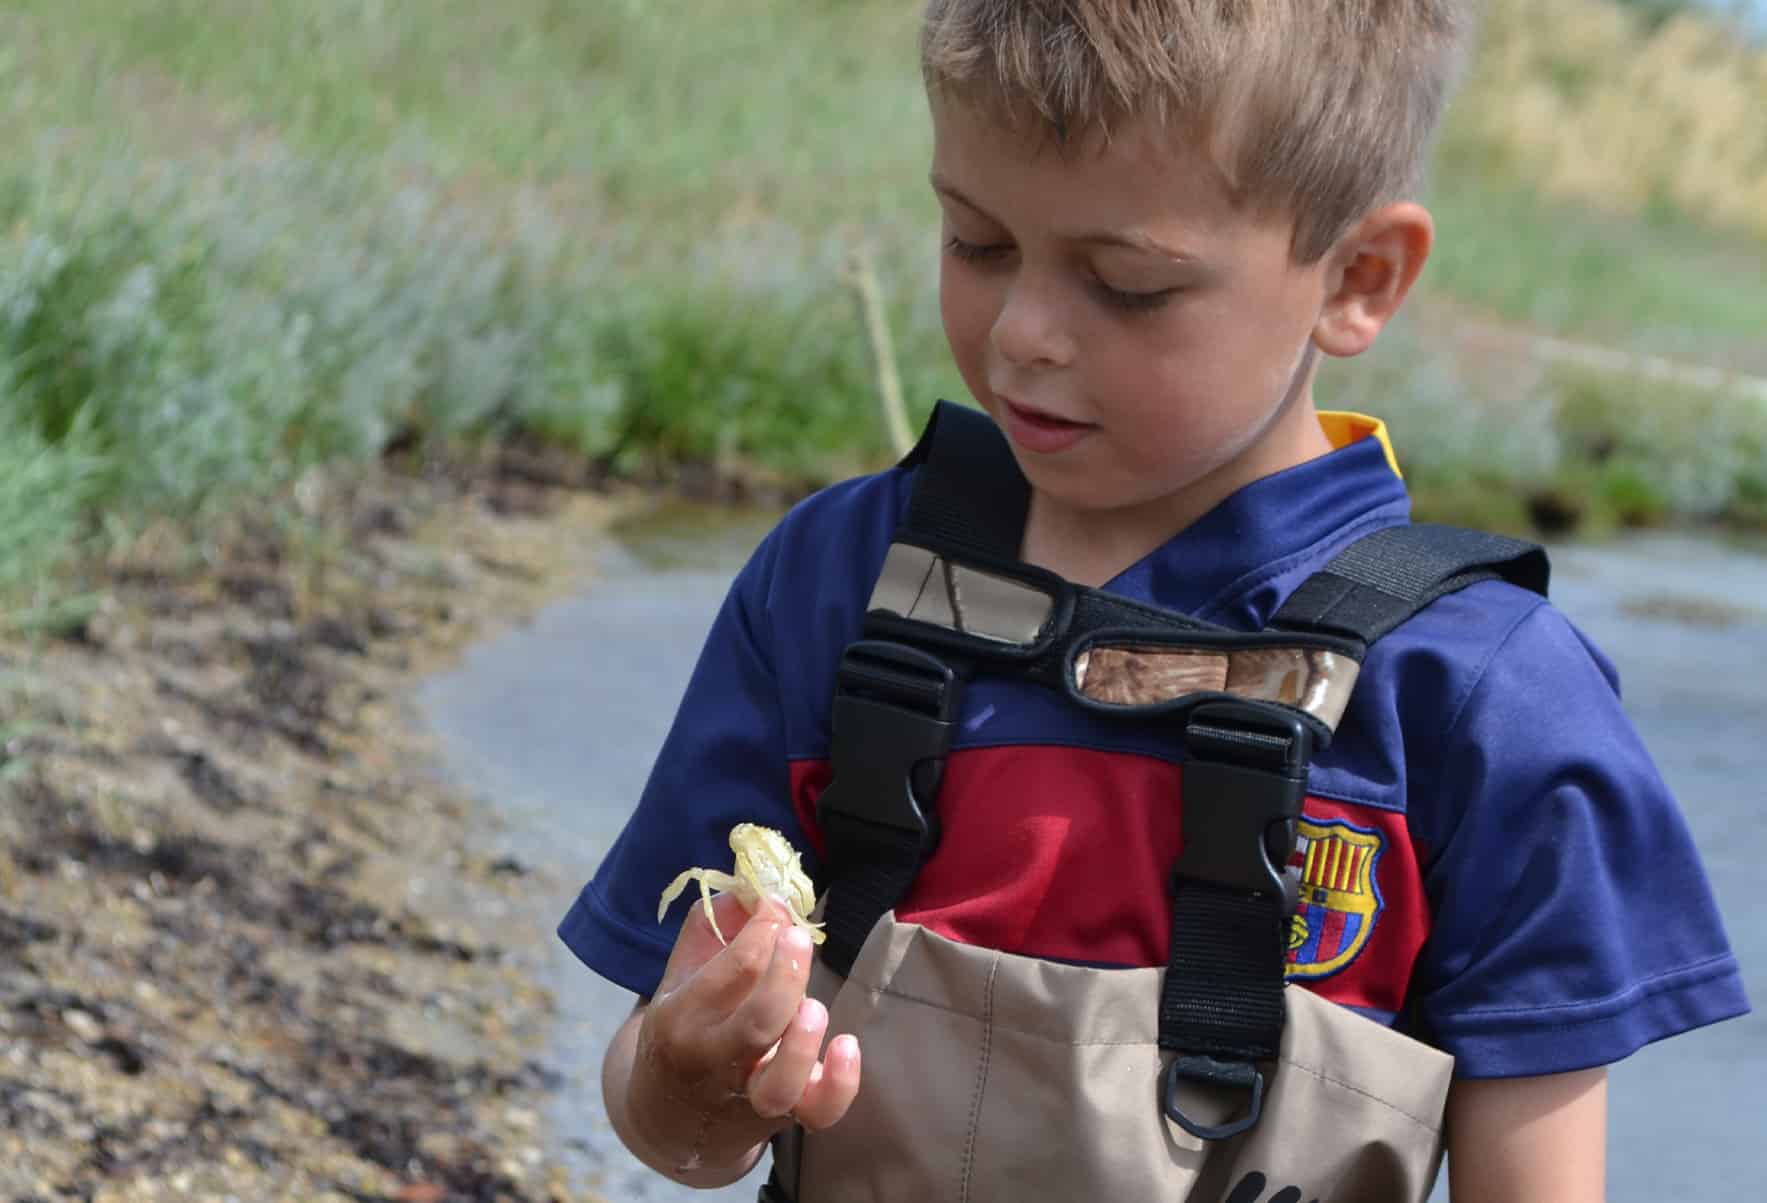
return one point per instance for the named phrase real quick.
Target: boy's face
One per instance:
(1139, 339)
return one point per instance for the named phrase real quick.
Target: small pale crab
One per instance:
(766, 863)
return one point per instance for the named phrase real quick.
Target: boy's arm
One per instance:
(1571, 921)
(1522, 1140)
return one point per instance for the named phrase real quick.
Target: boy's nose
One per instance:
(1029, 331)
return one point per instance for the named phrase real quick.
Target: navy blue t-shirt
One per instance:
(1487, 846)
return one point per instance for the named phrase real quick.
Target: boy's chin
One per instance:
(1090, 495)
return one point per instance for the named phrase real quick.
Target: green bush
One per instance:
(186, 344)
(762, 359)
(191, 343)
(45, 495)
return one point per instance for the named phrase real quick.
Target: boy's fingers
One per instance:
(779, 1081)
(698, 942)
(686, 1022)
(728, 1018)
(763, 1016)
(831, 1091)
(722, 983)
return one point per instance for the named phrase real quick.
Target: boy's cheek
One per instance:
(968, 316)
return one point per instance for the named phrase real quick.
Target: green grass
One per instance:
(1659, 284)
(800, 109)
(238, 239)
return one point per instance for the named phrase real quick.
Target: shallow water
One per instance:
(557, 723)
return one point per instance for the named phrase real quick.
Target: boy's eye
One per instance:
(975, 252)
(1132, 302)
(1116, 298)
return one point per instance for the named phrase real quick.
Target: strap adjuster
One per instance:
(894, 711)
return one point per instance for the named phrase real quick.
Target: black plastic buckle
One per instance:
(1245, 779)
(1238, 1074)
(894, 711)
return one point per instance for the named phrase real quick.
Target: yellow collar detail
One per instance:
(1343, 428)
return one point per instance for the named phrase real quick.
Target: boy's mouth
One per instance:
(1027, 413)
(1040, 431)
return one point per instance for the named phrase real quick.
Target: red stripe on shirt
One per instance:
(1064, 853)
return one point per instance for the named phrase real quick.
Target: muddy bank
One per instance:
(249, 947)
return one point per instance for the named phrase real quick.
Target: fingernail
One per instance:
(812, 1015)
(797, 940)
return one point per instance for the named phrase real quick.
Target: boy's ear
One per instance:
(1372, 268)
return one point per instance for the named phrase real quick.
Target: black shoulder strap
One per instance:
(970, 498)
(1382, 579)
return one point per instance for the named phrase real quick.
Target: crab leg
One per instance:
(709, 880)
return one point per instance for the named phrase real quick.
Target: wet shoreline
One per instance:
(251, 946)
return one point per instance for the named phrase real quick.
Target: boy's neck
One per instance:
(1090, 547)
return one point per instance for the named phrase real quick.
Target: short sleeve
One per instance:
(1572, 919)
(723, 762)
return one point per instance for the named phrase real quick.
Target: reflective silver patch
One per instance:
(1318, 682)
(919, 584)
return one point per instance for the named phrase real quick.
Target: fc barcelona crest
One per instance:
(1338, 900)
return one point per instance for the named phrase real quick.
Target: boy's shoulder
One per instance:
(868, 502)
(842, 526)
(1469, 668)
(1489, 644)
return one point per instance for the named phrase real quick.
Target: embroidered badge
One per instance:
(1338, 900)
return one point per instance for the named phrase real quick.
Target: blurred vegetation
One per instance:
(1632, 109)
(238, 240)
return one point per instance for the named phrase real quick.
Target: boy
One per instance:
(1157, 217)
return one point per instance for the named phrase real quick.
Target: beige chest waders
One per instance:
(989, 1075)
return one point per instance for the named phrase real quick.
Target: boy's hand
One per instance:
(727, 1051)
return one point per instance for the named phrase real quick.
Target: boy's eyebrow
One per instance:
(1133, 240)
(948, 190)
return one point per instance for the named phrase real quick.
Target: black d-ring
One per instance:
(1240, 1074)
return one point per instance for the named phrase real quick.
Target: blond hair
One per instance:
(1321, 109)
